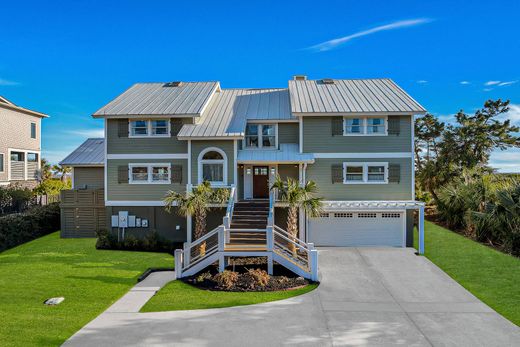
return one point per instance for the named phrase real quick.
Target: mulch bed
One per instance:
(282, 279)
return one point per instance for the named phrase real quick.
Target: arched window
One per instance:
(213, 166)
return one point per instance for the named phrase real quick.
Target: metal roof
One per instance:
(230, 109)
(186, 99)
(89, 153)
(351, 96)
(9, 105)
(287, 154)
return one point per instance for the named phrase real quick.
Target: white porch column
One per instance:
(188, 228)
(301, 224)
(421, 230)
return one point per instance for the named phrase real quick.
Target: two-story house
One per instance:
(354, 138)
(20, 144)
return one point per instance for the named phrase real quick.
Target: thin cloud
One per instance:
(487, 89)
(4, 82)
(513, 114)
(88, 133)
(508, 83)
(491, 83)
(422, 81)
(331, 44)
(465, 82)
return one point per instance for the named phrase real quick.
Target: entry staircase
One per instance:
(248, 230)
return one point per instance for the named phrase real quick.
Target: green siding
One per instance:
(198, 146)
(317, 138)
(149, 145)
(320, 172)
(91, 177)
(288, 133)
(141, 192)
(288, 170)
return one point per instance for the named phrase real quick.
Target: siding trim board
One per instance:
(148, 156)
(362, 155)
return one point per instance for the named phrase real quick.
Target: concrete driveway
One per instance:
(367, 297)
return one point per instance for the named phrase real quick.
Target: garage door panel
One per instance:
(358, 229)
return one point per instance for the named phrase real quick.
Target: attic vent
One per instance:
(173, 84)
(327, 81)
(299, 77)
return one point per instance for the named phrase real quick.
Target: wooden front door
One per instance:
(260, 182)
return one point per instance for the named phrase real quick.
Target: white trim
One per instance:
(35, 131)
(359, 205)
(148, 156)
(358, 114)
(259, 128)
(365, 166)
(371, 155)
(187, 137)
(364, 126)
(3, 162)
(235, 163)
(135, 203)
(149, 169)
(72, 178)
(25, 151)
(189, 162)
(300, 129)
(149, 127)
(270, 121)
(413, 156)
(223, 161)
(105, 163)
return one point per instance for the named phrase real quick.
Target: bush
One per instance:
(15, 198)
(260, 277)
(52, 187)
(20, 228)
(152, 242)
(226, 279)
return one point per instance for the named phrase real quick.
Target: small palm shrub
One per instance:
(226, 279)
(260, 277)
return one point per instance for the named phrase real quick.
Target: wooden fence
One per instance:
(82, 212)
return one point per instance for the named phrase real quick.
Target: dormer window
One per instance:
(366, 126)
(260, 136)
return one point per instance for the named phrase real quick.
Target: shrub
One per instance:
(152, 242)
(20, 228)
(52, 187)
(261, 277)
(203, 277)
(226, 279)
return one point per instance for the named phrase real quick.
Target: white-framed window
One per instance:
(32, 157)
(2, 169)
(213, 166)
(365, 126)
(149, 128)
(365, 173)
(144, 173)
(260, 136)
(33, 130)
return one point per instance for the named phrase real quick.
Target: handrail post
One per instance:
(187, 253)
(313, 254)
(221, 239)
(178, 263)
(269, 236)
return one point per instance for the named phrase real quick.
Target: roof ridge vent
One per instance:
(327, 81)
(299, 77)
(173, 84)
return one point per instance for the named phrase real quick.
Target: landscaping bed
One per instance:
(245, 279)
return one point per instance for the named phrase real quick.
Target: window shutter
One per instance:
(122, 127)
(176, 125)
(122, 174)
(337, 173)
(394, 125)
(337, 126)
(176, 174)
(394, 173)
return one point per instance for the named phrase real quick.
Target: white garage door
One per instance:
(358, 229)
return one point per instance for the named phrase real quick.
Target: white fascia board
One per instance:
(146, 203)
(338, 114)
(148, 156)
(147, 115)
(370, 155)
(272, 121)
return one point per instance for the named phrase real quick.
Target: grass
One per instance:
(178, 295)
(492, 276)
(89, 279)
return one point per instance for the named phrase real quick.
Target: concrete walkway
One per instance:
(367, 297)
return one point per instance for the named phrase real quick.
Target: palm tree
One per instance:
(45, 170)
(196, 203)
(63, 170)
(297, 196)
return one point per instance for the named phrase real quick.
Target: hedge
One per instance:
(16, 229)
(152, 242)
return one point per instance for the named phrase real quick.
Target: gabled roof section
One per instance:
(186, 99)
(89, 153)
(329, 96)
(228, 112)
(11, 106)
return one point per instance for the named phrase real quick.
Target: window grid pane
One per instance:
(375, 125)
(159, 127)
(140, 173)
(160, 173)
(139, 127)
(376, 173)
(252, 141)
(354, 173)
(213, 172)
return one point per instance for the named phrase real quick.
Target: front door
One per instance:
(260, 182)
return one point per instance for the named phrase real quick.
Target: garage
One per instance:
(358, 228)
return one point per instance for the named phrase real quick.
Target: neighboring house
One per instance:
(354, 138)
(20, 144)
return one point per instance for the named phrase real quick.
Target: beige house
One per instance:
(20, 144)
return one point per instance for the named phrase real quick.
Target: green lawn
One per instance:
(492, 276)
(178, 295)
(89, 279)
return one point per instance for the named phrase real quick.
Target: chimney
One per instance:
(299, 77)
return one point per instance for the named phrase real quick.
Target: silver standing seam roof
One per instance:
(186, 99)
(289, 153)
(230, 109)
(89, 153)
(351, 96)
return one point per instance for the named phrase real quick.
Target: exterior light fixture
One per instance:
(273, 171)
(248, 171)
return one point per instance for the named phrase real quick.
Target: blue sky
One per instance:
(69, 58)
